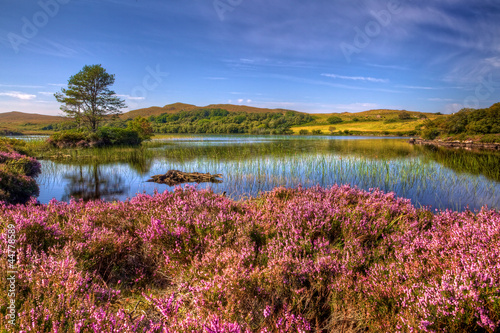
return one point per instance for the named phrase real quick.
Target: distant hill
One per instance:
(177, 107)
(16, 117)
(31, 123)
(16, 122)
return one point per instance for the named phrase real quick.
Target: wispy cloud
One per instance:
(18, 95)
(46, 93)
(20, 86)
(440, 99)
(133, 98)
(355, 78)
(417, 87)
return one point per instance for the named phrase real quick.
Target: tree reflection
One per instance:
(90, 182)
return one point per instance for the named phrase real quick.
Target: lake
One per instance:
(429, 176)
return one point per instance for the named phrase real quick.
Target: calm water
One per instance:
(252, 164)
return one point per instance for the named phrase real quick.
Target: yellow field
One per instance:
(364, 126)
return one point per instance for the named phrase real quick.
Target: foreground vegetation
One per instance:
(292, 260)
(17, 172)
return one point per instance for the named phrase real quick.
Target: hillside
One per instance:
(26, 123)
(368, 122)
(177, 107)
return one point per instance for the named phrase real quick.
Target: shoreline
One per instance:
(469, 144)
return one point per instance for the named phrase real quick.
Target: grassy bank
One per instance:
(292, 260)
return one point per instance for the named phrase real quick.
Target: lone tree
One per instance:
(88, 98)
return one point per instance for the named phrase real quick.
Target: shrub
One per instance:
(404, 115)
(490, 138)
(303, 132)
(334, 120)
(119, 136)
(316, 132)
(430, 133)
(16, 177)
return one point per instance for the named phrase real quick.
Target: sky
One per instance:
(317, 56)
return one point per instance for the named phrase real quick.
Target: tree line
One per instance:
(220, 121)
(465, 122)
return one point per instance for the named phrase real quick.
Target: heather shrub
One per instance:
(16, 177)
(293, 260)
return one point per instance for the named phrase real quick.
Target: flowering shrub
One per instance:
(293, 260)
(16, 176)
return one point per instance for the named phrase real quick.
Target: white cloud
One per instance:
(216, 78)
(249, 101)
(18, 95)
(46, 93)
(355, 78)
(133, 98)
(440, 99)
(19, 86)
(417, 87)
(241, 100)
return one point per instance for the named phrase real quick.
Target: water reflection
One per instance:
(91, 183)
(250, 165)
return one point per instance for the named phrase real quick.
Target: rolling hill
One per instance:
(366, 121)
(177, 107)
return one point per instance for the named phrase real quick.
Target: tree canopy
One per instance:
(88, 99)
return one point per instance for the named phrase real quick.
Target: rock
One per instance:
(176, 177)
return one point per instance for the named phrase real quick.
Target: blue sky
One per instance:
(313, 56)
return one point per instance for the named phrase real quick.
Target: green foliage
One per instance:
(334, 120)
(142, 126)
(105, 136)
(467, 121)
(17, 184)
(430, 133)
(404, 116)
(303, 132)
(88, 99)
(113, 136)
(316, 132)
(490, 138)
(220, 121)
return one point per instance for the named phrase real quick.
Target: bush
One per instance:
(303, 132)
(490, 138)
(105, 136)
(430, 133)
(16, 177)
(114, 136)
(334, 120)
(404, 116)
(316, 132)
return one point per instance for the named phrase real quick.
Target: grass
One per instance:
(370, 127)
